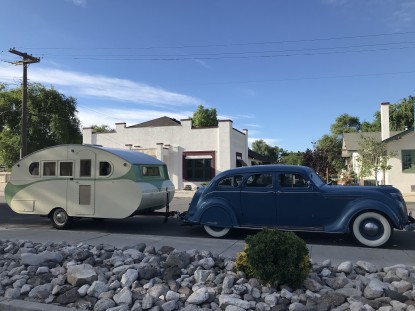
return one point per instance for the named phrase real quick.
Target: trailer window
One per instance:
(66, 169)
(85, 168)
(34, 168)
(49, 168)
(150, 171)
(104, 168)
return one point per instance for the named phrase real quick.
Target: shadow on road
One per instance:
(155, 225)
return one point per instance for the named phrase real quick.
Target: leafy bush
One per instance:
(242, 263)
(276, 256)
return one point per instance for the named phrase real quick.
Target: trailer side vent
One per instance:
(412, 188)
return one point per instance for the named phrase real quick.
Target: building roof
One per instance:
(351, 140)
(399, 135)
(256, 156)
(163, 121)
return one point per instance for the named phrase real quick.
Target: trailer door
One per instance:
(81, 189)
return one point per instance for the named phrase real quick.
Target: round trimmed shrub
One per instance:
(277, 256)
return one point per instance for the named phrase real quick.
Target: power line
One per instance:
(240, 56)
(235, 53)
(229, 44)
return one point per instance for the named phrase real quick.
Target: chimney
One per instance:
(384, 120)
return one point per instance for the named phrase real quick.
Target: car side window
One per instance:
(231, 181)
(259, 180)
(289, 180)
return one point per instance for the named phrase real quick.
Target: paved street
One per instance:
(153, 231)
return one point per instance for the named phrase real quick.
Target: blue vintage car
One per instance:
(295, 198)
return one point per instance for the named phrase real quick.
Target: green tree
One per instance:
(102, 129)
(325, 158)
(273, 153)
(345, 124)
(401, 117)
(292, 158)
(332, 146)
(204, 117)
(373, 157)
(51, 120)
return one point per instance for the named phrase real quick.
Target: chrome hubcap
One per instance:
(60, 217)
(371, 228)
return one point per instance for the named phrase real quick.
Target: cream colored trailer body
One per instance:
(68, 181)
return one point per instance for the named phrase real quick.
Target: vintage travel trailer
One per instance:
(71, 181)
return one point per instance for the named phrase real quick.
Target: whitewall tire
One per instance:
(372, 229)
(216, 232)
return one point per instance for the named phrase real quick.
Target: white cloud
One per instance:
(269, 141)
(110, 116)
(102, 87)
(203, 63)
(253, 125)
(335, 2)
(81, 3)
(406, 11)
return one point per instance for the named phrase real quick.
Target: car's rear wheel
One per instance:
(60, 219)
(216, 232)
(372, 229)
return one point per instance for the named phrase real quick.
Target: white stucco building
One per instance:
(192, 155)
(402, 172)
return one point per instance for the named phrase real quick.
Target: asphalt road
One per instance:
(155, 226)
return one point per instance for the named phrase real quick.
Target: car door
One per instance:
(81, 189)
(300, 204)
(258, 201)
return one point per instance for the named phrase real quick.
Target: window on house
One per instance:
(49, 168)
(198, 169)
(408, 161)
(239, 161)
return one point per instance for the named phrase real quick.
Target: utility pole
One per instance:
(26, 59)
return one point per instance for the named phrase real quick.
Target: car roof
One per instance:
(267, 168)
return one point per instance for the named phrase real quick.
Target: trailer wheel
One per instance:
(216, 232)
(60, 219)
(372, 229)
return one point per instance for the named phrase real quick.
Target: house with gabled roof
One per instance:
(193, 155)
(402, 144)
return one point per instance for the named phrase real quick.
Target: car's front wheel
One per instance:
(372, 229)
(216, 232)
(60, 219)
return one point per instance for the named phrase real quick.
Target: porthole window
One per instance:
(34, 168)
(105, 168)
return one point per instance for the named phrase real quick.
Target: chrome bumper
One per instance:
(410, 226)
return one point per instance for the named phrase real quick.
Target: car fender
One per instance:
(216, 212)
(359, 206)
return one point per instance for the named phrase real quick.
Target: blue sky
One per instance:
(283, 69)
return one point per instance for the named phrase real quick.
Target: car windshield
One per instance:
(316, 179)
